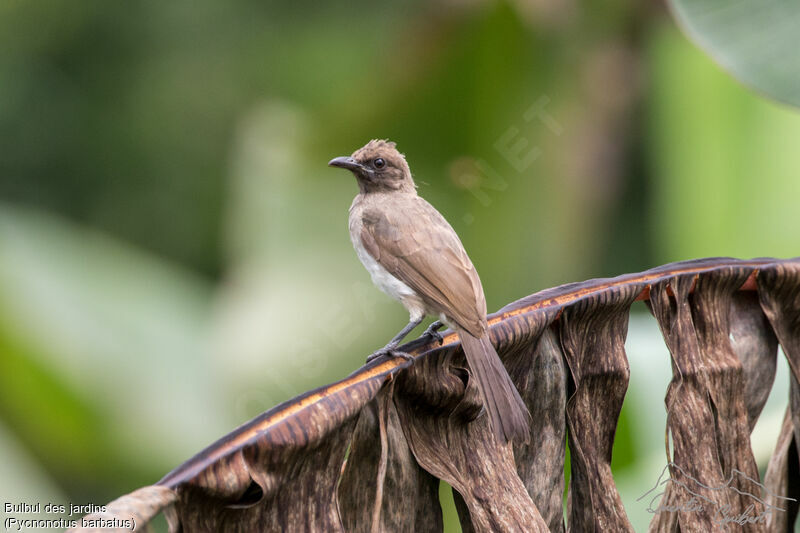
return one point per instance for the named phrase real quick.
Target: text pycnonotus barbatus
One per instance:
(414, 256)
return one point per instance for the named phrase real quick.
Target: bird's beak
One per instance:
(345, 162)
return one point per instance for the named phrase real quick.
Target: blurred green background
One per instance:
(174, 254)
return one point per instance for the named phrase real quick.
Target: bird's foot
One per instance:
(389, 351)
(433, 332)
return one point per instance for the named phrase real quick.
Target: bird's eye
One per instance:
(379, 163)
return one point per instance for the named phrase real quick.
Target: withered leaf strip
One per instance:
(782, 480)
(707, 418)
(367, 453)
(410, 499)
(755, 344)
(593, 332)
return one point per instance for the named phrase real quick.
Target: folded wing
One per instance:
(417, 245)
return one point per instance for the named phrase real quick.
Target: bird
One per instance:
(413, 254)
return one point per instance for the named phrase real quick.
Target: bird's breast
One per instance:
(381, 277)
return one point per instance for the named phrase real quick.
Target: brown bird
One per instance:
(414, 256)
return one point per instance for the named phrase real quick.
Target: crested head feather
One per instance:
(377, 147)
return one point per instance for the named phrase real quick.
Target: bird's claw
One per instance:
(436, 336)
(433, 332)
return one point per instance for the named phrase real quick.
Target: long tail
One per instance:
(507, 412)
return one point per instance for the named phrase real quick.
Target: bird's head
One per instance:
(378, 167)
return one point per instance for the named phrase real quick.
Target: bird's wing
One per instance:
(416, 245)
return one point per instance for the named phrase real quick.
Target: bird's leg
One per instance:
(433, 332)
(403, 333)
(389, 349)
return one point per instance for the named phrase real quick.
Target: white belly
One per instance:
(390, 284)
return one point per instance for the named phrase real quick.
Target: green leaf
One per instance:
(757, 42)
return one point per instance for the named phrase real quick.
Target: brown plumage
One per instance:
(415, 256)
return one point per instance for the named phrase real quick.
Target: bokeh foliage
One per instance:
(167, 214)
